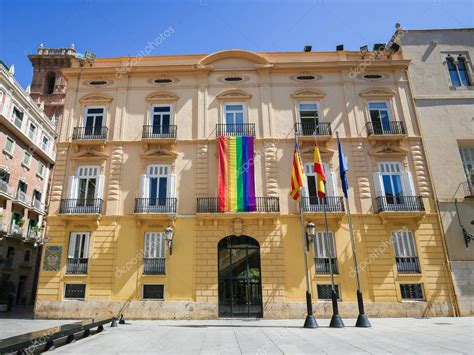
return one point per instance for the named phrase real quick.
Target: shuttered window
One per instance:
(154, 245)
(78, 245)
(324, 245)
(9, 145)
(404, 244)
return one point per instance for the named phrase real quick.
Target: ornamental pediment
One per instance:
(96, 98)
(308, 93)
(234, 95)
(388, 151)
(377, 93)
(162, 96)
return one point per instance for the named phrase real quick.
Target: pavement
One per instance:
(387, 336)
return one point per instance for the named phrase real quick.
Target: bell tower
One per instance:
(48, 85)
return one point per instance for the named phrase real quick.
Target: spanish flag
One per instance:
(318, 169)
(297, 176)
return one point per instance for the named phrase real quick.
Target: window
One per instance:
(234, 116)
(40, 169)
(412, 292)
(86, 186)
(17, 117)
(380, 117)
(4, 176)
(153, 292)
(10, 252)
(36, 196)
(93, 121)
(311, 189)
(308, 113)
(325, 292)
(325, 253)
(78, 253)
(9, 146)
(154, 253)
(27, 256)
(161, 119)
(467, 157)
(458, 71)
(158, 185)
(45, 143)
(26, 159)
(49, 83)
(393, 183)
(405, 252)
(75, 291)
(32, 132)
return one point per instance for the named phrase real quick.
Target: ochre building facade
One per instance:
(133, 223)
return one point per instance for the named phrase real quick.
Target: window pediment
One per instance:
(377, 93)
(234, 54)
(388, 151)
(162, 96)
(95, 99)
(308, 94)
(234, 95)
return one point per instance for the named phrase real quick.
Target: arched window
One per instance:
(458, 71)
(463, 71)
(49, 83)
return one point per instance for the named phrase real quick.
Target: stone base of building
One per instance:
(463, 277)
(201, 310)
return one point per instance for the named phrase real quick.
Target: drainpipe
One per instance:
(456, 309)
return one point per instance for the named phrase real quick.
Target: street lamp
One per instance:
(310, 234)
(169, 238)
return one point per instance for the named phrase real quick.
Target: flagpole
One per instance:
(362, 319)
(336, 320)
(310, 321)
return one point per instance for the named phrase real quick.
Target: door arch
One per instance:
(240, 285)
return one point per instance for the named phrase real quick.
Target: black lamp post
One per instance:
(310, 321)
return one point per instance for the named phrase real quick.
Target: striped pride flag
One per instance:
(236, 178)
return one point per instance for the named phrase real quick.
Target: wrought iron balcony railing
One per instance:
(310, 129)
(16, 230)
(159, 131)
(21, 196)
(235, 129)
(37, 204)
(386, 128)
(90, 133)
(155, 205)
(4, 188)
(399, 203)
(322, 265)
(315, 204)
(81, 206)
(77, 265)
(264, 204)
(408, 265)
(154, 266)
(468, 188)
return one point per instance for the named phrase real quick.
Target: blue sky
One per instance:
(115, 28)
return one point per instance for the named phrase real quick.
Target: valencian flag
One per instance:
(236, 174)
(342, 168)
(318, 169)
(297, 176)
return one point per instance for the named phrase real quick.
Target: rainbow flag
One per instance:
(236, 174)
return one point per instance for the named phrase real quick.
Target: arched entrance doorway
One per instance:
(240, 286)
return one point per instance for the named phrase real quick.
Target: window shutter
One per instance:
(85, 252)
(411, 244)
(378, 183)
(408, 185)
(72, 245)
(143, 186)
(318, 246)
(396, 243)
(172, 188)
(162, 250)
(332, 244)
(99, 189)
(72, 187)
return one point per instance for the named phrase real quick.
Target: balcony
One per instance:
(408, 265)
(155, 205)
(321, 130)
(468, 188)
(16, 230)
(5, 189)
(166, 132)
(391, 130)
(81, 206)
(90, 133)
(315, 204)
(264, 204)
(77, 266)
(322, 265)
(154, 266)
(235, 129)
(22, 198)
(38, 205)
(399, 204)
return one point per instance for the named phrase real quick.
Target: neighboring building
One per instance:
(48, 85)
(441, 76)
(138, 162)
(27, 157)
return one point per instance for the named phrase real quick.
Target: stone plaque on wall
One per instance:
(52, 258)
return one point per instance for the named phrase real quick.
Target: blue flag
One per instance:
(342, 168)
